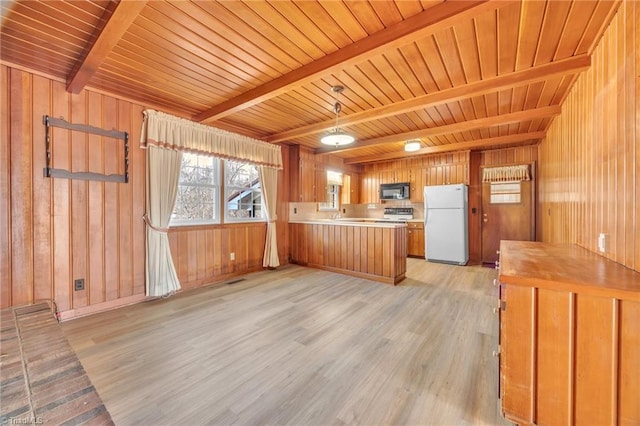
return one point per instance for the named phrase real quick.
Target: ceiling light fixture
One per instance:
(337, 137)
(412, 146)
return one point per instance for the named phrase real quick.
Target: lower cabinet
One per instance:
(415, 239)
(569, 336)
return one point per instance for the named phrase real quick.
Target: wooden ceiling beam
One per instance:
(416, 27)
(121, 18)
(497, 120)
(461, 146)
(568, 66)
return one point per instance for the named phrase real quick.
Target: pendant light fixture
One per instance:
(412, 146)
(337, 137)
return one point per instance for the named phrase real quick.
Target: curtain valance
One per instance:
(334, 178)
(168, 131)
(506, 173)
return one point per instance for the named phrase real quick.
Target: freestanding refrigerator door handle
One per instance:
(426, 206)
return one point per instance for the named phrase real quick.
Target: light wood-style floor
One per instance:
(305, 347)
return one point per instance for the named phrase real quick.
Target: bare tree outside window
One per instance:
(198, 189)
(199, 186)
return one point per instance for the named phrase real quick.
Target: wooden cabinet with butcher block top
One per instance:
(569, 336)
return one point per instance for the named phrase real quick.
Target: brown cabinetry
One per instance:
(366, 250)
(320, 185)
(417, 179)
(307, 181)
(415, 239)
(303, 174)
(370, 188)
(569, 336)
(349, 193)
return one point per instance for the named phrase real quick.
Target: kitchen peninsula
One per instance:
(372, 250)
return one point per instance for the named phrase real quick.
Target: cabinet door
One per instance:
(307, 181)
(321, 186)
(417, 179)
(517, 353)
(370, 188)
(354, 188)
(415, 239)
(349, 190)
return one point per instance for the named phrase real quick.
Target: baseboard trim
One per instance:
(101, 307)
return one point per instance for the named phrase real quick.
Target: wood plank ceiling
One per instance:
(453, 74)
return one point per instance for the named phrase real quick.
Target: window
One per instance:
(198, 191)
(199, 187)
(505, 193)
(243, 192)
(332, 197)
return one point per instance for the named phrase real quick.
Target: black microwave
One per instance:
(395, 191)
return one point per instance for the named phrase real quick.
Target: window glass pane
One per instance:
(331, 203)
(198, 186)
(505, 193)
(243, 192)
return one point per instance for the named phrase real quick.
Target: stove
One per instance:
(398, 214)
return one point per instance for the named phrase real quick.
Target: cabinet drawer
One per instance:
(415, 225)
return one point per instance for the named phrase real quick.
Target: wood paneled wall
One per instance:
(589, 171)
(53, 231)
(203, 254)
(508, 156)
(438, 169)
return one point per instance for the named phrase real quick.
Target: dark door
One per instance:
(505, 221)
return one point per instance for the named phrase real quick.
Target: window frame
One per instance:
(509, 192)
(252, 190)
(332, 201)
(216, 187)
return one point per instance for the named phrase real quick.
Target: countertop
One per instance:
(366, 222)
(566, 267)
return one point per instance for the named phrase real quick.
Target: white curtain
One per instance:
(506, 173)
(171, 135)
(163, 172)
(177, 133)
(269, 182)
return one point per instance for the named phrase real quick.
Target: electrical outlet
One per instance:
(602, 242)
(232, 256)
(78, 284)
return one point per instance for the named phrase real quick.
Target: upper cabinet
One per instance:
(321, 188)
(303, 175)
(350, 193)
(370, 187)
(308, 178)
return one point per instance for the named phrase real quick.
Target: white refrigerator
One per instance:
(446, 224)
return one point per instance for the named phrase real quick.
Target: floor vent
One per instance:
(235, 281)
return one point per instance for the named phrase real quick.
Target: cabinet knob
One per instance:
(496, 353)
(495, 282)
(498, 252)
(496, 310)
